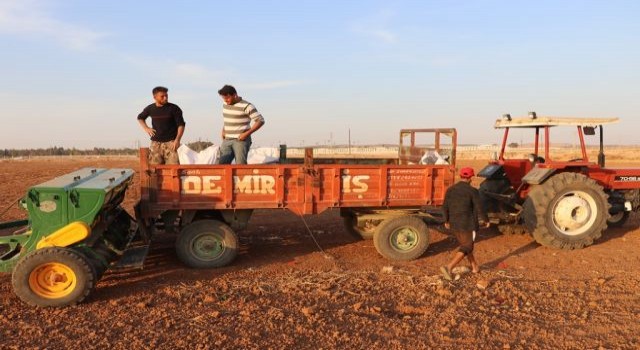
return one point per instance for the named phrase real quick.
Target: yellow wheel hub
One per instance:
(52, 280)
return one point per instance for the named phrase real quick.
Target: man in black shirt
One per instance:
(167, 127)
(462, 209)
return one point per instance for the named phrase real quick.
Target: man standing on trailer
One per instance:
(462, 209)
(236, 131)
(167, 127)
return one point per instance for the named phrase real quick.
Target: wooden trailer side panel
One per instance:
(178, 187)
(303, 190)
(382, 186)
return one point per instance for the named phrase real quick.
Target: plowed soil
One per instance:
(283, 291)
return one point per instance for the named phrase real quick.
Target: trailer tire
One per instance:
(402, 238)
(568, 211)
(51, 277)
(207, 244)
(357, 232)
(618, 219)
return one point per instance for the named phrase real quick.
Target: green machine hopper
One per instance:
(76, 229)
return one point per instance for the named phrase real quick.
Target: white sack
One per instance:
(208, 155)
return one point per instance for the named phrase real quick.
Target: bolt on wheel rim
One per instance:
(404, 239)
(574, 213)
(52, 280)
(207, 246)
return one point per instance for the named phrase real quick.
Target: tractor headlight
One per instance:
(532, 158)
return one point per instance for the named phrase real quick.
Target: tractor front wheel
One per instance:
(402, 238)
(53, 277)
(568, 211)
(206, 244)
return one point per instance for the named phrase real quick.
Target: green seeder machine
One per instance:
(75, 231)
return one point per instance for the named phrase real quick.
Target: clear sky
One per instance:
(76, 73)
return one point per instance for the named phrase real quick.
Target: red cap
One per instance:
(467, 173)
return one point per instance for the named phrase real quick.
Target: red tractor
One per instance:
(564, 204)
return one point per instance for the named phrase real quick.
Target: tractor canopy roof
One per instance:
(528, 122)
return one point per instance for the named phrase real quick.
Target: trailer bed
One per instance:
(299, 188)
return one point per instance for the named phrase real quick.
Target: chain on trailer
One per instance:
(315, 240)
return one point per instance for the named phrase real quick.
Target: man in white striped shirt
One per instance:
(237, 129)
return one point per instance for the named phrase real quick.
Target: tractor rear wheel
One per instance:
(206, 244)
(402, 238)
(53, 277)
(618, 219)
(568, 211)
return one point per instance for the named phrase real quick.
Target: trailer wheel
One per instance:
(206, 244)
(359, 232)
(53, 277)
(618, 219)
(568, 211)
(402, 238)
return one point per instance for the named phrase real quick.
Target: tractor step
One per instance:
(133, 258)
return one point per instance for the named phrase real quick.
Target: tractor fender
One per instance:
(536, 176)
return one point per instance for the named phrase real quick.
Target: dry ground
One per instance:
(282, 292)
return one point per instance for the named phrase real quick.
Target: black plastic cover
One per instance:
(492, 171)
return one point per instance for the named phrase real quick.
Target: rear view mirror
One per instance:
(589, 130)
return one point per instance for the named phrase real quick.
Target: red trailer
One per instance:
(388, 202)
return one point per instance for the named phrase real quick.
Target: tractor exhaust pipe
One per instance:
(601, 153)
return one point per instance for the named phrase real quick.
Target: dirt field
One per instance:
(282, 292)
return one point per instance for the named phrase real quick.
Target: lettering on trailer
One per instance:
(627, 178)
(211, 184)
(355, 183)
(257, 184)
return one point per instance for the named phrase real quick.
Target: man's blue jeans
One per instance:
(234, 148)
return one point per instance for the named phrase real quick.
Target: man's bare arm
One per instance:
(257, 125)
(176, 142)
(445, 211)
(478, 210)
(146, 128)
